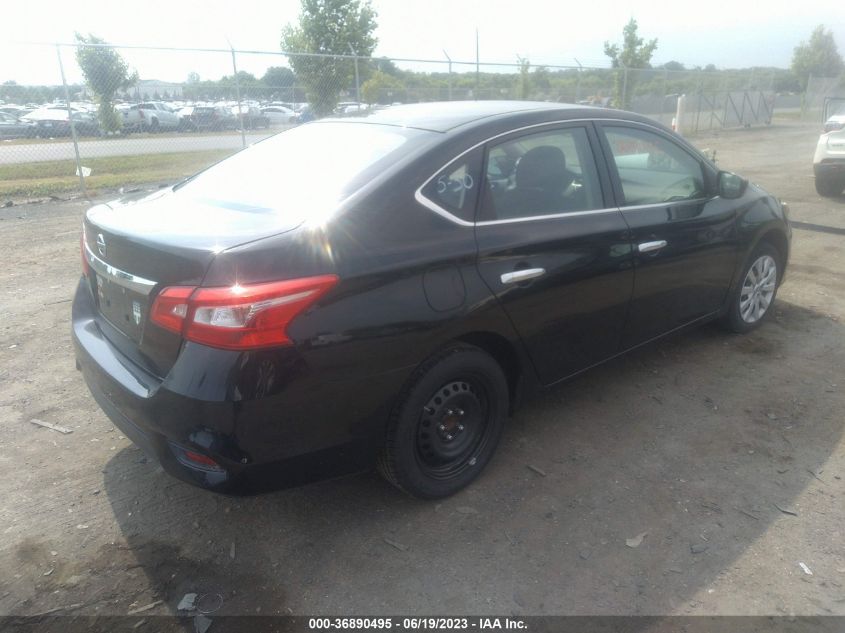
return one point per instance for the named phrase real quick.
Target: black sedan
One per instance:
(13, 127)
(54, 121)
(383, 290)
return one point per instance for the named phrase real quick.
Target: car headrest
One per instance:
(542, 167)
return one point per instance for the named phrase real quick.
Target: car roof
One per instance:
(447, 115)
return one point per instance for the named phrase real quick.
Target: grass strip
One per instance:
(26, 180)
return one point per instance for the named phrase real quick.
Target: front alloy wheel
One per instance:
(758, 289)
(752, 301)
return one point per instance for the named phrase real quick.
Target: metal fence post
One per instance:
(238, 94)
(806, 95)
(624, 97)
(477, 67)
(578, 80)
(450, 73)
(72, 125)
(357, 82)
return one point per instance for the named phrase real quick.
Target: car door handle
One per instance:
(650, 247)
(518, 276)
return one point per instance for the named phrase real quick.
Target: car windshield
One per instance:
(304, 171)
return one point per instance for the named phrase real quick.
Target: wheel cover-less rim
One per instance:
(453, 428)
(758, 289)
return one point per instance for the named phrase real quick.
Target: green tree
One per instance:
(105, 74)
(673, 65)
(541, 80)
(329, 27)
(381, 88)
(818, 56)
(278, 77)
(634, 53)
(386, 65)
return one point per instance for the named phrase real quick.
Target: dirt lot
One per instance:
(726, 451)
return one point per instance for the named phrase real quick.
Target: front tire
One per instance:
(447, 423)
(752, 300)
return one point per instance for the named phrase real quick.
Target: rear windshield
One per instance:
(309, 169)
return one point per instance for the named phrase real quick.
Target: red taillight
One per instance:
(238, 317)
(202, 460)
(171, 308)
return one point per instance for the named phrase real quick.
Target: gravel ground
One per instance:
(702, 475)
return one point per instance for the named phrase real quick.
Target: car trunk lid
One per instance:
(136, 246)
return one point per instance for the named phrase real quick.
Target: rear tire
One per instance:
(752, 300)
(446, 424)
(829, 187)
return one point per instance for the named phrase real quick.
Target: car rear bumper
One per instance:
(307, 431)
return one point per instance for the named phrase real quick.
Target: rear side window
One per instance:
(455, 188)
(653, 169)
(540, 174)
(304, 172)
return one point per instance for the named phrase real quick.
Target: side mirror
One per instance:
(731, 186)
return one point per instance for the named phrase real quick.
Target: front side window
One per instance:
(541, 174)
(653, 169)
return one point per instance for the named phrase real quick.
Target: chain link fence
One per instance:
(101, 116)
(820, 93)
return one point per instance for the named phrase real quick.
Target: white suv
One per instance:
(829, 163)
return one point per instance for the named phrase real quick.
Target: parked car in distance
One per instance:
(304, 115)
(186, 123)
(829, 163)
(13, 127)
(213, 118)
(350, 108)
(384, 290)
(279, 115)
(250, 117)
(16, 111)
(54, 121)
(150, 116)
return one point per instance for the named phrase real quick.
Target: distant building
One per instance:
(150, 88)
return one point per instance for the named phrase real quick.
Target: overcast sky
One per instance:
(728, 34)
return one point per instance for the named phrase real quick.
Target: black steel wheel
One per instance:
(447, 424)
